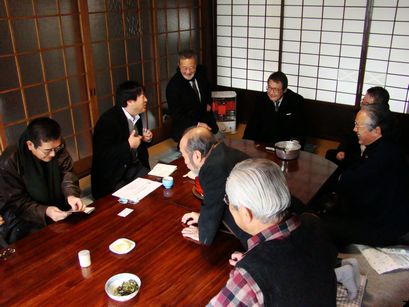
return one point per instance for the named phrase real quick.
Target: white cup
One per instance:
(167, 182)
(85, 258)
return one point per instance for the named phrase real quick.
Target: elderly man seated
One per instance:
(373, 199)
(289, 261)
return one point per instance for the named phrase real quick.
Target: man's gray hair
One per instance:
(200, 139)
(259, 185)
(379, 117)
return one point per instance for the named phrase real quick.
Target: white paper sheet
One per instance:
(190, 175)
(137, 189)
(125, 212)
(384, 260)
(162, 170)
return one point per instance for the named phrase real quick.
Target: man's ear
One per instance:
(247, 215)
(378, 130)
(30, 145)
(197, 156)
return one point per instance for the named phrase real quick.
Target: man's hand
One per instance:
(190, 218)
(204, 125)
(134, 139)
(56, 214)
(1, 220)
(191, 232)
(235, 257)
(147, 135)
(75, 203)
(340, 156)
(208, 107)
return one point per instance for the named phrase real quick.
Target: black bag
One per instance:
(14, 228)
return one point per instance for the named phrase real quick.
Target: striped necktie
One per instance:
(195, 89)
(276, 105)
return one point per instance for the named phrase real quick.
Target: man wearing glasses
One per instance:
(37, 183)
(373, 197)
(278, 113)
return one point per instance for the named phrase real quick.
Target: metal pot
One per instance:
(287, 150)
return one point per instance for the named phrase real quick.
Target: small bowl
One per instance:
(116, 281)
(287, 150)
(121, 246)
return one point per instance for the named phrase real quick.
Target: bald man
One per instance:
(211, 162)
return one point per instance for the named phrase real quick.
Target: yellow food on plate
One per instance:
(122, 246)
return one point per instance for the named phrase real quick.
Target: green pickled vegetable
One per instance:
(127, 287)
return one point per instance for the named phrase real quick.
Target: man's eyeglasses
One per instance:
(55, 149)
(226, 199)
(358, 126)
(273, 89)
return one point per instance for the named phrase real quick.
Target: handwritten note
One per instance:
(384, 260)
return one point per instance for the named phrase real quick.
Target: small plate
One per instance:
(196, 193)
(116, 281)
(121, 246)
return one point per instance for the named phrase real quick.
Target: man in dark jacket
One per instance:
(212, 162)
(188, 96)
(120, 152)
(289, 260)
(37, 182)
(278, 114)
(349, 150)
(373, 197)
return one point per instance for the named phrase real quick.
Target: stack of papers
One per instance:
(137, 189)
(162, 170)
(386, 259)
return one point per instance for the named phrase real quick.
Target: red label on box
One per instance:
(221, 109)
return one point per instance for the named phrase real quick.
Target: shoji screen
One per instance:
(247, 42)
(319, 44)
(388, 52)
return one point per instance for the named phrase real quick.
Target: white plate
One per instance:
(121, 246)
(116, 281)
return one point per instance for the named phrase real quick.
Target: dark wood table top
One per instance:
(305, 175)
(44, 269)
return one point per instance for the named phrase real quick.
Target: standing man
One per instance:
(188, 96)
(289, 261)
(120, 152)
(278, 114)
(212, 162)
(37, 183)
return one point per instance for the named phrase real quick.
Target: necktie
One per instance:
(195, 89)
(276, 105)
(132, 127)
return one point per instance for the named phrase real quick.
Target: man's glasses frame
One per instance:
(47, 152)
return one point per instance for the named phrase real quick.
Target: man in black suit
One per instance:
(188, 96)
(373, 201)
(120, 151)
(278, 114)
(212, 162)
(349, 150)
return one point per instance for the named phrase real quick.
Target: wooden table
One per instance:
(44, 270)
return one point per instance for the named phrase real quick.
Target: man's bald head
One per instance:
(197, 138)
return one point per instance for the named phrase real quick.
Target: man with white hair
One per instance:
(289, 262)
(373, 200)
